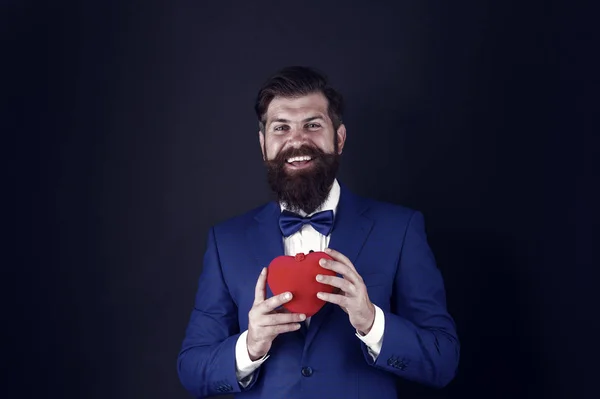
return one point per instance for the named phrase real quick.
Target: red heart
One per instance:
(297, 274)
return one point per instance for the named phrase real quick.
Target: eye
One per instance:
(313, 125)
(281, 128)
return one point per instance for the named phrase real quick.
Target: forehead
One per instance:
(290, 107)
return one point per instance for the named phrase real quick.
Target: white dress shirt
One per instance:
(305, 240)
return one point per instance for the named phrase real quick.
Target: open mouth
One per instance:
(299, 162)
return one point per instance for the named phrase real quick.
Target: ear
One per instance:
(341, 135)
(261, 140)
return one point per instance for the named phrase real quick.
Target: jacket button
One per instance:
(307, 371)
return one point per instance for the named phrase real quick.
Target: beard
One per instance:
(303, 189)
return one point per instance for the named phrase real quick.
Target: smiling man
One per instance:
(301, 147)
(387, 317)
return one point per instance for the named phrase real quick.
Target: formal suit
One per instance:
(388, 246)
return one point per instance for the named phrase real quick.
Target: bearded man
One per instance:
(384, 319)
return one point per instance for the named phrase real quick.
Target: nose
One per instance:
(298, 137)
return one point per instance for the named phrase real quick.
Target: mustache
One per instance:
(306, 189)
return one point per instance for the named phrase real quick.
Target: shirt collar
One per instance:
(330, 203)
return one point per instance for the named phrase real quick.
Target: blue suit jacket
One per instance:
(388, 246)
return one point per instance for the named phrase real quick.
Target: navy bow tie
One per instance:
(290, 222)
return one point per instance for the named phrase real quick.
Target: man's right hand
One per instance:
(265, 322)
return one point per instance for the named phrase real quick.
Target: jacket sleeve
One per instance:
(420, 342)
(206, 362)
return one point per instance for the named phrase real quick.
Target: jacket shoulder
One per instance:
(386, 210)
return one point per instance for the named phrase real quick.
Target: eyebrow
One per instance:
(312, 118)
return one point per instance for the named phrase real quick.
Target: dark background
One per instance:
(129, 130)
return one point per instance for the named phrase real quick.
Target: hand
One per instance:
(353, 297)
(265, 322)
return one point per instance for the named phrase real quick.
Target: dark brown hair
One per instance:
(296, 81)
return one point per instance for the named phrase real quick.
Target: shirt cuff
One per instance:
(244, 366)
(374, 339)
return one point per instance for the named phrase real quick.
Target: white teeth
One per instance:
(297, 159)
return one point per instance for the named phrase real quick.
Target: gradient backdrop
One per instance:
(131, 131)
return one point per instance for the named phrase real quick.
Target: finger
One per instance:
(339, 257)
(259, 290)
(283, 328)
(340, 300)
(281, 318)
(344, 270)
(274, 302)
(338, 282)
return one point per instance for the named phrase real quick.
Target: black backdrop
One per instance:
(131, 131)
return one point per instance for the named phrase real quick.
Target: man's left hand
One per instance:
(353, 297)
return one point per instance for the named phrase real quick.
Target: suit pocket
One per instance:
(375, 279)
(379, 287)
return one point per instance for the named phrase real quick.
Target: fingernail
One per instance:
(327, 250)
(319, 295)
(302, 317)
(319, 277)
(323, 262)
(263, 271)
(287, 295)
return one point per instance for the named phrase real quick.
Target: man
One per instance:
(387, 317)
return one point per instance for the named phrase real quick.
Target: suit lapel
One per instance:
(351, 228)
(264, 237)
(348, 236)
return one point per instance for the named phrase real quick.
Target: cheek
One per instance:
(326, 144)
(272, 149)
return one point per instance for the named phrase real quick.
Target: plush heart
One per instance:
(297, 274)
